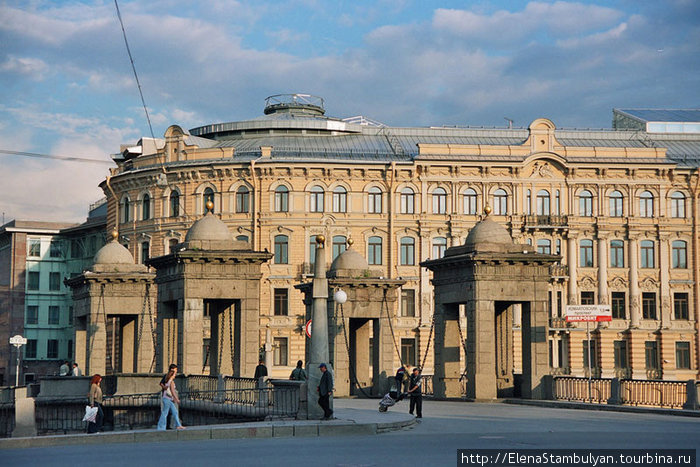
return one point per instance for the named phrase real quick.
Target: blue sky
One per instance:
(66, 85)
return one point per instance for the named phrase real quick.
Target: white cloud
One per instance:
(32, 68)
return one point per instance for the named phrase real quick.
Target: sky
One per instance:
(67, 87)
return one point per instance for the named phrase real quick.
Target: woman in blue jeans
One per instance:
(169, 396)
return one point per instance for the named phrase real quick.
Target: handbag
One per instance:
(90, 414)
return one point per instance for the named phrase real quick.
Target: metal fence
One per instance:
(7, 419)
(577, 389)
(671, 394)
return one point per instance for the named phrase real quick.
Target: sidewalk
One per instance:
(349, 421)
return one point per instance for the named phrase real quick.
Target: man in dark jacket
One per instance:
(414, 391)
(260, 370)
(325, 389)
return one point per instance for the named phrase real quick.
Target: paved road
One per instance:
(446, 427)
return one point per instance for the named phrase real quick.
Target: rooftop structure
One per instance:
(658, 120)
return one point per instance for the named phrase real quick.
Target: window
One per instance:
(172, 245)
(408, 302)
(677, 204)
(646, 204)
(316, 204)
(340, 199)
(33, 280)
(375, 200)
(408, 248)
(680, 305)
(75, 249)
(174, 204)
(618, 305)
(678, 255)
(439, 201)
(407, 201)
(243, 199)
(500, 202)
(543, 208)
(208, 196)
(55, 249)
(69, 349)
(683, 355)
(281, 302)
(374, 250)
(70, 316)
(616, 204)
(280, 351)
(54, 281)
(586, 253)
(242, 238)
(587, 298)
(30, 349)
(146, 207)
(52, 348)
(206, 346)
(408, 351)
(585, 204)
(617, 254)
(312, 251)
(651, 355)
(339, 245)
(126, 210)
(34, 247)
(281, 199)
(544, 246)
(439, 247)
(557, 203)
(145, 248)
(528, 202)
(281, 249)
(647, 250)
(648, 305)
(620, 354)
(54, 314)
(32, 314)
(559, 303)
(590, 346)
(558, 246)
(469, 201)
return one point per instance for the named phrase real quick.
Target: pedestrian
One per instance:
(399, 378)
(64, 369)
(260, 370)
(325, 390)
(169, 398)
(298, 374)
(76, 370)
(414, 391)
(95, 396)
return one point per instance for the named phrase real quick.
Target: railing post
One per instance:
(220, 389)
(615, 396)
(691, 396)
(548, 382)
(25, 418)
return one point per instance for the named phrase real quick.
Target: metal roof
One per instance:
(663, 115)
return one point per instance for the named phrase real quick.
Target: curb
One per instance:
(603, 407)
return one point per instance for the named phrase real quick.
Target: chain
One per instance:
(391, 328)
(353, 375)
(230, 334)
(100, 301)
(153, 328)
(141, 326)
(464, 345)
(219, 322)
(430, 338)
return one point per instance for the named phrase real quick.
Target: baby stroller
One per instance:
(389, 399)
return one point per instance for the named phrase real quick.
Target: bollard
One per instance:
(691, 396)
(615, 392)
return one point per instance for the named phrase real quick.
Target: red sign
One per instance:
(307, 328)
(583, 313)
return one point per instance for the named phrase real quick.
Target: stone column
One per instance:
(602, 270)
(96, 337)
(318, 352)
(447, 356)
(361, 347)
(635, 308)
(190, 328)
(554, 346)
(81, 343)
(572, 263)
(664, 277)
(535, 351)
(127, 331)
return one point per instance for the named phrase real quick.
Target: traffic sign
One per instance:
(585, 313)
(307, 328)
(18, 341)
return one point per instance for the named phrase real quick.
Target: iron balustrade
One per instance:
(672, 394)
(576, 389)
(7, 419)
(545, 221)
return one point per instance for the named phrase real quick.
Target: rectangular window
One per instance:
(206, 343)
(617, 254)
(587, 298)
(559, 303)
(281, 302)
(586, 254)
(34, 247)
(618, 305)
(680, 305)
(54, 314)
(54, 281)
(407, 197)
(648, 305)
(55, 251)
(651, 355)
(408, 302)
(32, 314)
(408, 351)
(590, 345)
(280, 351)
(69, 349)
(33, 280)
(683, 355)
(620, 354)
(30, 349)
(647, 252)
(374, 253)
(52, 348)
(407, 252)
(281, 249)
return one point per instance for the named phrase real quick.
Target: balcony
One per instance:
(559, 271)
(557, 323)
(558, 222)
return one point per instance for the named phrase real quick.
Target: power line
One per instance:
(7, 152)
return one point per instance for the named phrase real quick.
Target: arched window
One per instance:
(316, 202)
(408, 251)
(145, 248)
(646, 248)
(543, 208)
(242, 199)
(616, 204)
(340, 199)
(678, 204)
(646, 204)
(375, 200)
(172, 245)
(679, 254)
(407, 198)
(174, 204)
(500, 202)
(439, 247)
(374, 250)
(146, 207)
(242, 238)
(339, 245)
(585, 204)
(126, 210)
(281, 249)
(617, 254)
(586, 253)
(544, 246)
(208, 196)
(281, 199)
(439, 201)
(469, 201)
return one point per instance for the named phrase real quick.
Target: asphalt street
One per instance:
(445, 428)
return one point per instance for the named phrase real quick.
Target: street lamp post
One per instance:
(18, 341)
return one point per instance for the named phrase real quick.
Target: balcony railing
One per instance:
(557, 323)
(554, 222)
(559, 271)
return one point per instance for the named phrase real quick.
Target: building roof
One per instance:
(663, 115)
